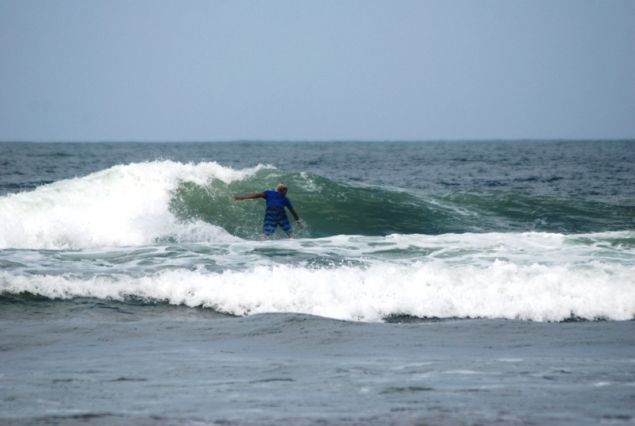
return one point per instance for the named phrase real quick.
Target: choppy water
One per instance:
(395, 232)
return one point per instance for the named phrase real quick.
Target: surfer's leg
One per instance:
(285, 225)
(274, 216)
(269, 225)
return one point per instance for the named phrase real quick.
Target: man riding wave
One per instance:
(275, 214)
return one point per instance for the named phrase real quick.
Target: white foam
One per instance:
(501, 289)
(524, 248)
(119, 206)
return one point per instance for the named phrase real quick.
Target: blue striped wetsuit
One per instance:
(274, 213)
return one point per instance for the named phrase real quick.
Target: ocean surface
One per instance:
(450, 283)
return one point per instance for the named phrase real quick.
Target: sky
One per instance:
(222, 70)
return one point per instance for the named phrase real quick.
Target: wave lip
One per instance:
(434, 289)
(120, 206)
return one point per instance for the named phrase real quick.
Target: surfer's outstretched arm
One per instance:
(294, 213)
(249, 196)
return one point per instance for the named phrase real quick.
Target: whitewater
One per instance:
(120, 206)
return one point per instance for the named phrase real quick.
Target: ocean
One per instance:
(436, 283)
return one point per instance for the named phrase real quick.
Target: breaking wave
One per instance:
(141, 203)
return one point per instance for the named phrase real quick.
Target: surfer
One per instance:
(274, 214)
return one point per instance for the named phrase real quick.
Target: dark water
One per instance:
(602, 169)
(435, 283)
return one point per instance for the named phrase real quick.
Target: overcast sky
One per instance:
(156, 70)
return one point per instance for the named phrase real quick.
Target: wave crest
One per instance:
(120, 206)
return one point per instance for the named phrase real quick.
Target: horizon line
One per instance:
(438, 140)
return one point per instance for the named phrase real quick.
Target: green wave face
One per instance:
(331, 208)
(513, 211)
(327, 207)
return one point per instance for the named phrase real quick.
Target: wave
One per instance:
(500, 289)
(529, 276)
(333, 208)
(120, 206)
(142, 203)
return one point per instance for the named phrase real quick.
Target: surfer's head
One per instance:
(281, 187)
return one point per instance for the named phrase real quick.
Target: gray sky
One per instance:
(316, 70)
